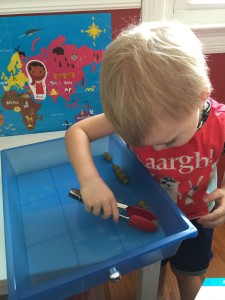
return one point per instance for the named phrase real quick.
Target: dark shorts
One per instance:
(194, 254)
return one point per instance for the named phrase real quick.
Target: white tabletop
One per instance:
(11, 142)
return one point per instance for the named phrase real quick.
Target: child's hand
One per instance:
(217, 217)
(99, 199)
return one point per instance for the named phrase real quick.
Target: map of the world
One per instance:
(49, 70)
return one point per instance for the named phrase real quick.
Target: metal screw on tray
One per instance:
(114, 274)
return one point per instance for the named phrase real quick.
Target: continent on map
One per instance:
(65, 66)
(16, 78)
(23, 104)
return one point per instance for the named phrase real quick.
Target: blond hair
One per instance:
(155, 66)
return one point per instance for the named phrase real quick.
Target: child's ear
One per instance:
(205, 94)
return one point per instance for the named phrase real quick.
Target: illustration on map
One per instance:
(49, 70)
(37, 72)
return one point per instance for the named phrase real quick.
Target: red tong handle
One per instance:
(142, 212)
(143, 224)
(141, 219)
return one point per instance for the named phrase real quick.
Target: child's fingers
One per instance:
(111, 209)
(214, 219)
(217, 194)
(107, 210)
(115, 211)
(208, 219)
(96, 210)
(88, 208)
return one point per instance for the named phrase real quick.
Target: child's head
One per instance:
(151, 71)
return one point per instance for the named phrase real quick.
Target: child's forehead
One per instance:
(165, 133)
(168, 129)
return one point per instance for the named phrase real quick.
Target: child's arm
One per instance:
(95, 193)
(217, 217)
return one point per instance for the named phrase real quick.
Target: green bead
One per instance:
(109, 158)
(105, 154)
(122, 176)
(125, 180)
(141, 203)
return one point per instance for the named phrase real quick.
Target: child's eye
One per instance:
(169, 144)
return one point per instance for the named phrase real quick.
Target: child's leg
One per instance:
(188, 285)
(162, 287)
(189, 263)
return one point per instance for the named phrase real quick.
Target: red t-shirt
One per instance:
(186, 172)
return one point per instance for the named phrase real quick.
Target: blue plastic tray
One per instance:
(54, 249)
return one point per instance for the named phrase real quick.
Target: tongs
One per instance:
(136, 216)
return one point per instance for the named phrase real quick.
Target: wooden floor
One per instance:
(126, 288)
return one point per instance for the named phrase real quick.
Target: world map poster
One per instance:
(49, 70)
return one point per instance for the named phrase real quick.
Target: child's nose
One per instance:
(159, 147)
